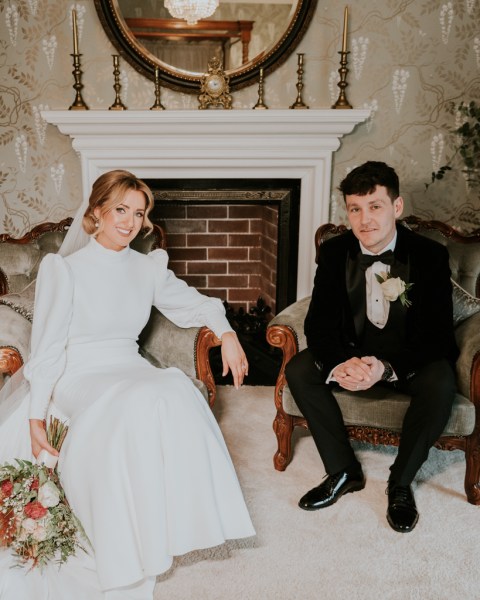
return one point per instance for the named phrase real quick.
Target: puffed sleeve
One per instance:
(182, 304)
(51, 319)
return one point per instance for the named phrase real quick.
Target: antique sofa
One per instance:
(376, 416)
(161, 342)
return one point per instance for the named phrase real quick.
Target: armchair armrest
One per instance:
(288, 323)
(16, 313)
(285, 331)
(15, 332)
(468, 363)
(166, 345)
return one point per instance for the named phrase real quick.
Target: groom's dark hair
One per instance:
(363, 179)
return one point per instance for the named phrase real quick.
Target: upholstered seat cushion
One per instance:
(380, 407)
(464, 304)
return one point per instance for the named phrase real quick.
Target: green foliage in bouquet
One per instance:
(36, 521)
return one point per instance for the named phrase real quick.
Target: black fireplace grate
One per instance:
(264, 360)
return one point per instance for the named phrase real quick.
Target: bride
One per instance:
(144, 465)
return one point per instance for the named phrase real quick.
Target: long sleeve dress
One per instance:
(144, 464)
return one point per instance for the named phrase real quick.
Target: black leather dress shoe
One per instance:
(402, 514)
(332, 489)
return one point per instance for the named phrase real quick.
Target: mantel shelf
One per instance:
(220, 122)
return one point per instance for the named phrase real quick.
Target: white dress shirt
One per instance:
(377, 306)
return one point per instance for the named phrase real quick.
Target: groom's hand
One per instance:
(376, 368)
(357, 374)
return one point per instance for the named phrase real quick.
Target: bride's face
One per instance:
(122, 223)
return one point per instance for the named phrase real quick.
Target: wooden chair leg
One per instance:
(283, 428)
(472, 470)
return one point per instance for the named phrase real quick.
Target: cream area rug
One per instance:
(346, 551)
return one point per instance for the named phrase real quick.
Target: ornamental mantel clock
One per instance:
(214, 87)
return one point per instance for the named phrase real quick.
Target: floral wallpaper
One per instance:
(407, 61)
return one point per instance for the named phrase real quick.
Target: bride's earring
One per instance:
(96, 224)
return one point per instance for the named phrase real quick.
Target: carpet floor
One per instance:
(346, 551)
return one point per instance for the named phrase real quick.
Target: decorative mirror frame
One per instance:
(145, 63)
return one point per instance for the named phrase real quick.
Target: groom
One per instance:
(362, 332)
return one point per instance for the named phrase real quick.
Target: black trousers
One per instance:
(432, 391)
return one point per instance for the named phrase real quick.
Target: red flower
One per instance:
(35, 510)
(6, 487)
(34, 485)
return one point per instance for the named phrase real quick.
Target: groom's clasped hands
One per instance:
(356, 374)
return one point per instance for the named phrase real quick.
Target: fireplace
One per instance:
(236, 240)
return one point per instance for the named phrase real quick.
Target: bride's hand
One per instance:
(233, 358)
(38, 436)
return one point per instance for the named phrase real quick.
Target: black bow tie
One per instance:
(367, 260)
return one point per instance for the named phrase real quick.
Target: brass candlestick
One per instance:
(260, 105)
(118, 104)
(78, 103)
(299, 102)
(157, 104)
(342, 101)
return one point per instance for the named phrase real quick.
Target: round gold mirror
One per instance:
(244, 35)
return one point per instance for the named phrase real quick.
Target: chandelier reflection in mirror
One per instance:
(191, 10)
(269, 55)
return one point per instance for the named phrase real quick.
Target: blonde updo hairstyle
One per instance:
(108, 192)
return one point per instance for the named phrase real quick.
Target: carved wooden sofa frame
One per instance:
(285, 331)
(161, 342)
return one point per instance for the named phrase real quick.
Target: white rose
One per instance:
(48, 495)
(392, 288)
(40, 533)
(29, 525)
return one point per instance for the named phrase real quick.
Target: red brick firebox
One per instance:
(233, 239)
(225, 250)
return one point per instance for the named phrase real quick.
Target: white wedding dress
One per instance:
(144, 464)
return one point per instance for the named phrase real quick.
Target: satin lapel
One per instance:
(401, 265)
(356, 290)
(400, 268)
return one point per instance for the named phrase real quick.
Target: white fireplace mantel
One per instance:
(219, 144)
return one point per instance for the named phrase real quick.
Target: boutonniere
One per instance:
(394, 288)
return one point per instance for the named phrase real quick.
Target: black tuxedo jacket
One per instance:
(337, 312)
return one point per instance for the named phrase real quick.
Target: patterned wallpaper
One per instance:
(408, 60)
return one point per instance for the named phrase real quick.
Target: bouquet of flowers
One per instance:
(36, 521)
